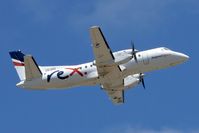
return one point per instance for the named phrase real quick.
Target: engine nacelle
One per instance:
(131, 81)
(121, 57)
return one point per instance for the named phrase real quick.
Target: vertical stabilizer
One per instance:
(18, 61)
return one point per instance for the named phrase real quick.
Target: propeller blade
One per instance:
(132, 45)
(133, 52)
(123, 100)
(135, 58)
(142, 80)
(143, 84)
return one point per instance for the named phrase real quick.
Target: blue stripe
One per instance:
(17, 55)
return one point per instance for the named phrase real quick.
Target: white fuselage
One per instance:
(87, 74)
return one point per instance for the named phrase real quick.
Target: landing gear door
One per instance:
(145, 58)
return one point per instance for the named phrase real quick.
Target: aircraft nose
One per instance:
(182, 56)
(20, 84)
(186, 57)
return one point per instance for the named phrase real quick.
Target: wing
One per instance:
(115, 90)
(109, 74)
(101, 49)
(103, 54)
(116, 96)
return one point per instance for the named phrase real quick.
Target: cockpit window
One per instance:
(125, 51)
(165, 48)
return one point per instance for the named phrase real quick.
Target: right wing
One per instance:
(115, 90)
(116, 96)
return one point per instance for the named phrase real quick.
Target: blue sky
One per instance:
(56, 33)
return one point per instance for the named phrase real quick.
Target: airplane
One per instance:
(114, 72)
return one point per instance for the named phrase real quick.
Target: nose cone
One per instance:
(184, 57)
(20, 84)
(180, 57)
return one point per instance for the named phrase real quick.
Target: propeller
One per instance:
(134, 52)
(141, 78)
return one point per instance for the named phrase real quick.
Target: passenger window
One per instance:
(85, 66)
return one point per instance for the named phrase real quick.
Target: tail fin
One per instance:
(25, 66)
(18, 61)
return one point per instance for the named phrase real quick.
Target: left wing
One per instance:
(103, 54)
(102, 51)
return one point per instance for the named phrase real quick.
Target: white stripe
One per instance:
(18, 61)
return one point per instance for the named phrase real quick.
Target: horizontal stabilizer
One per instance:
(31, 68)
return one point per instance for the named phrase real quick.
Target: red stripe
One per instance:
(18, 64)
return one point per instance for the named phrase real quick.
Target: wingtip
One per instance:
(95, 26)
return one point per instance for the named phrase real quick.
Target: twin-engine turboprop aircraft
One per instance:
(114, 72)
